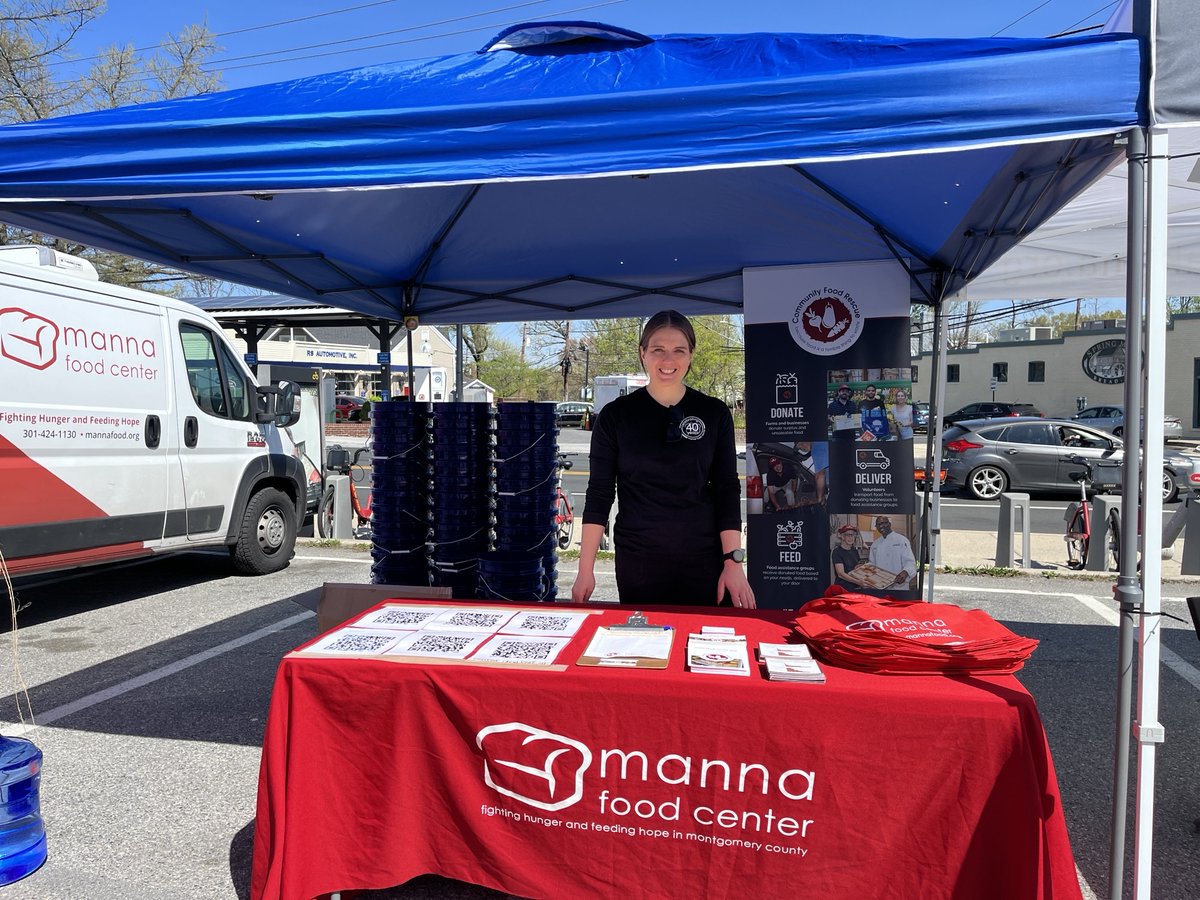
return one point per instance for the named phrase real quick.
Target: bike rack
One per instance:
(1097, 557)
(343, 512)
(1010, 504)
(1188, 516)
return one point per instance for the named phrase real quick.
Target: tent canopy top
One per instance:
(573, 170)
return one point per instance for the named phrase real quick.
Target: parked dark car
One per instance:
(989, 457)
(572, 412)
(991, 410)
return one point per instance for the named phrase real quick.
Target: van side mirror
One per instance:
(279, 404)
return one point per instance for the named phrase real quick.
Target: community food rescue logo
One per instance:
(640, 794)
(826, 321)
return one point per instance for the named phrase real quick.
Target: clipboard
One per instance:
(616, 646)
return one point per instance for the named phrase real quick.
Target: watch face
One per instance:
(736, 555)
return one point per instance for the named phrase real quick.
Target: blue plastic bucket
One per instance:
(22, 834)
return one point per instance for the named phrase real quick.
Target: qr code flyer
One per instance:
(355, 641)
(548, 624)
(529, 651)
(403, 618)
(467, 618)
(446, 644)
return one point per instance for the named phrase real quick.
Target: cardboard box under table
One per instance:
(599, 782)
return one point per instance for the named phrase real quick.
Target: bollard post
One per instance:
(1010, 505)
(1097, 557)
(1190, 564)
(343, 514)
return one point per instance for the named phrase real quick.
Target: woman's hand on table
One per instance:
(584, 586)
(733, 579)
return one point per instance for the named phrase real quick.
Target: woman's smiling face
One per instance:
(667, 356)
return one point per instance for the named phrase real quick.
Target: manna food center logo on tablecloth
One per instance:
(642, 794)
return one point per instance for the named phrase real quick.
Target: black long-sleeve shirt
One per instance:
(676, 497)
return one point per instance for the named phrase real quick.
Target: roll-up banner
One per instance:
(829, 432)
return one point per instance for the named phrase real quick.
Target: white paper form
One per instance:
(630, 644)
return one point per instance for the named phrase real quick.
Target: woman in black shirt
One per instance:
(669, 450)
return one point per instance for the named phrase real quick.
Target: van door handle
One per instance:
(191, 431)
(153, 431)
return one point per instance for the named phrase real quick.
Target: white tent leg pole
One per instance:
(1147, 729)
(1129, 590)
(933, 456)
(458, 362)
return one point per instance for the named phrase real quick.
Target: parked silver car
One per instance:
(989, 457)
(1111, 418)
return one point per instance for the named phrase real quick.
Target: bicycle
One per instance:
(564, 518)
(339, 461)
(1079, 521)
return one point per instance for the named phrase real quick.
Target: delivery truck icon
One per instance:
(873, 459)
(27, 338)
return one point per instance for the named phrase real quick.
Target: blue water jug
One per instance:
(22, 835)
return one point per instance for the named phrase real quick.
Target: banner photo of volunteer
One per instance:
(829, 440)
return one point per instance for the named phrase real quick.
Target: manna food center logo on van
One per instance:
(27, 338)
(37, 342)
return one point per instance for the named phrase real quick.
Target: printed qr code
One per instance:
(475, 619)
(401, 617)
(524, 650)
(537, 622)
(358, 643)
(441, 643)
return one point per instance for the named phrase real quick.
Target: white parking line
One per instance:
(1170, 659)
(334, 559)
(146, 678)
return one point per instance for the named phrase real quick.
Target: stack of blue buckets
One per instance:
(402, 485)
(525, 564)
(22, 834)
(464, 501)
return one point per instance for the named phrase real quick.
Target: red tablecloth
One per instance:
(597, 782)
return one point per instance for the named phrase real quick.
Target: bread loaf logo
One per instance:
(539, 768)
(27, 338)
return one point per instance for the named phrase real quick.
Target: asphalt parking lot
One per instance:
(150, 685)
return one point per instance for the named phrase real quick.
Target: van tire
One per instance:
(267, 538)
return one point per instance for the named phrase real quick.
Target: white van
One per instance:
(129, 426)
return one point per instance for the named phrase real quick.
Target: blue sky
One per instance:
(274, 40)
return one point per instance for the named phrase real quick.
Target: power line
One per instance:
(221, 62)
(1019, 18)
(332, 12)
(1068, 30)
(428, 37)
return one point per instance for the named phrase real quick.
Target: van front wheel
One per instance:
(267, 537)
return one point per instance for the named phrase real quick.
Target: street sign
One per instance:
(995, 381)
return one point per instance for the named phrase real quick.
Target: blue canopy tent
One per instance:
(573, 170)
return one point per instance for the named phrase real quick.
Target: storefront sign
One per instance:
(829, 455)
(1105, 361)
